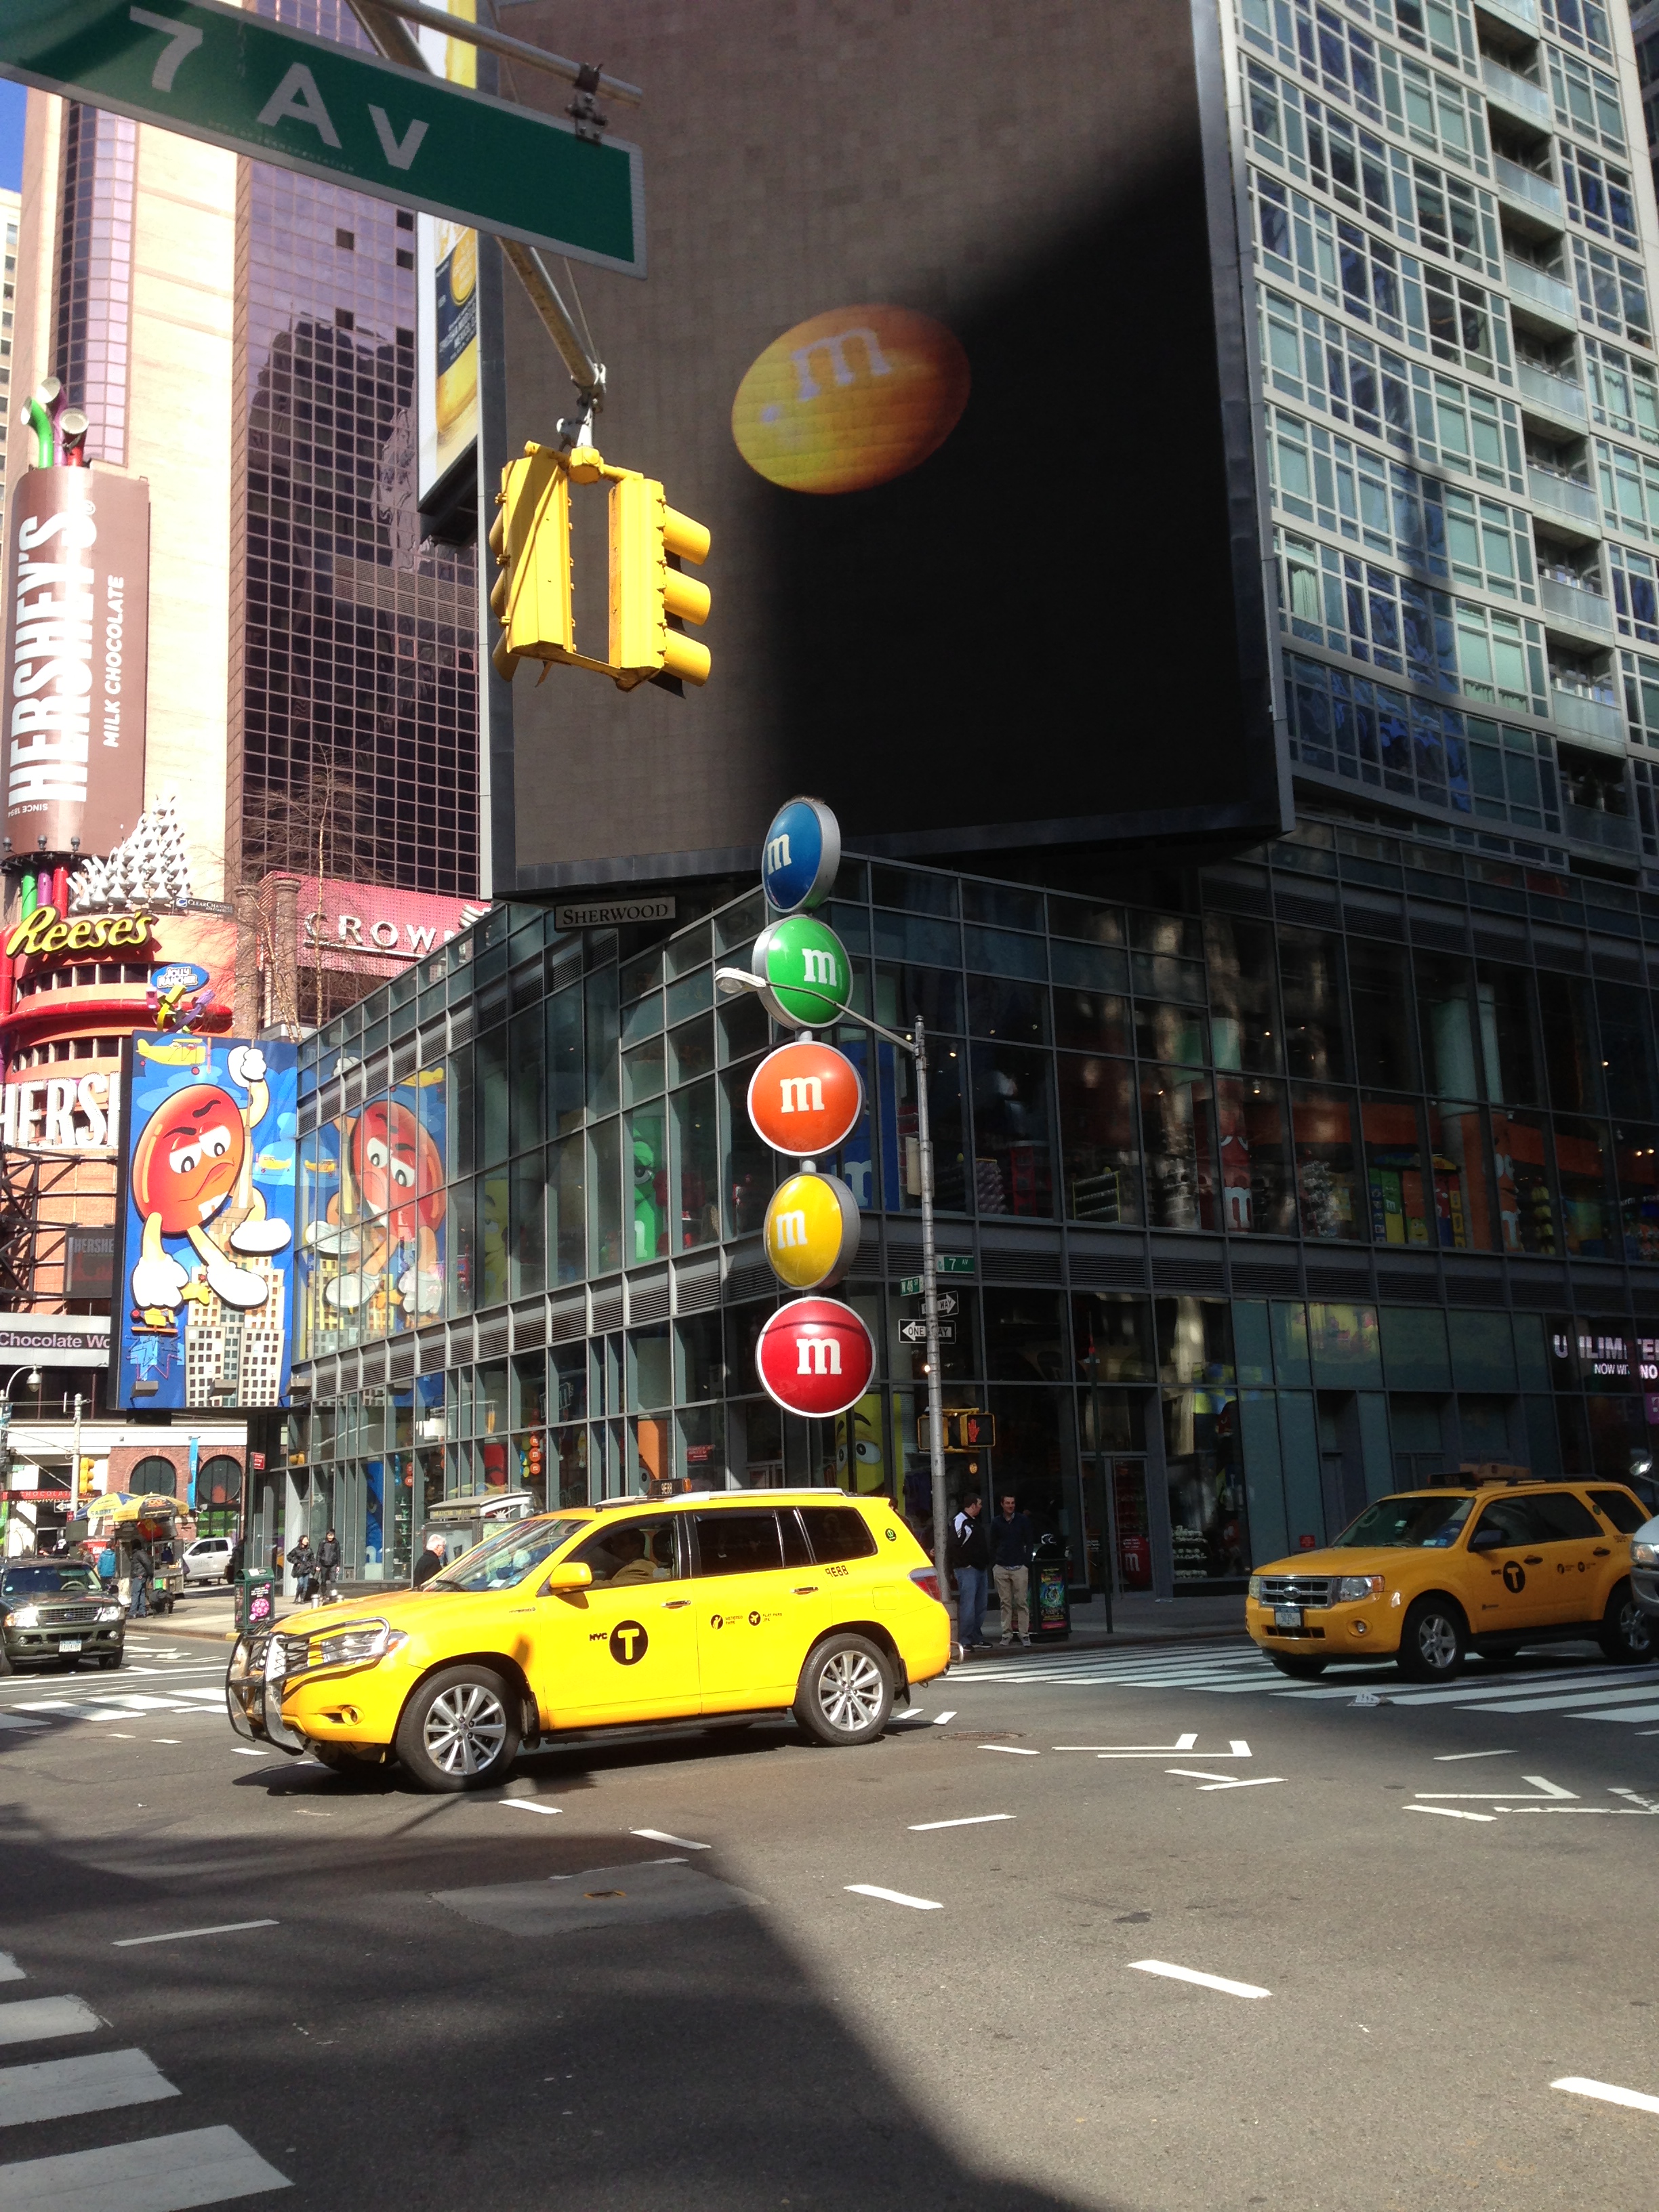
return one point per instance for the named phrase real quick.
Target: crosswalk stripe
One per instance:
(1563, 1701)
(9, 1969)
(96, 2081)
(166, 2174)
(32, 2020)
(1627, 1713)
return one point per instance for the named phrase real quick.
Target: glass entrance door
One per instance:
(1116, 1523)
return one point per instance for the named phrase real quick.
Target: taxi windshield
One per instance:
(503, 1560)
(1400, 1524)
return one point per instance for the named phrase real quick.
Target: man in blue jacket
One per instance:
(1012, 1542)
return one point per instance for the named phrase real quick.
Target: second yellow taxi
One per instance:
(1426, 1575)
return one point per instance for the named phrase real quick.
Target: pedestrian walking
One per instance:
(970, 1556)
(234, 1565)
(303, 1560)
(1013, 1540)
(138, 1569)
(328, 1565)
(429, 1562)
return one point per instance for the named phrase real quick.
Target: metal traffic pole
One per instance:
(930, 1311)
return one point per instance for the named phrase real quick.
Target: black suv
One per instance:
(54, 1609)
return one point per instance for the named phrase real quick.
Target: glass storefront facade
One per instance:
(1278, 1182)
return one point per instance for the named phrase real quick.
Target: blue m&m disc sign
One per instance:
(802, 856)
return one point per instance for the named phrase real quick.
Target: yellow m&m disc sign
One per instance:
(811, 1231)
(850, 398)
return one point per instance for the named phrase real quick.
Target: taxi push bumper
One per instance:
(253, 1700)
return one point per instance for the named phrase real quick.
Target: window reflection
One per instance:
(1328, 1195)
(1100, 1154)
(1178, 1136)
(1257, 1178)
(1526, 1208)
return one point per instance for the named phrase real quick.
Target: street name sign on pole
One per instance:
(956, 1263)
(280, 95)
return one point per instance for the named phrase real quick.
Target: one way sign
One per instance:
(915, 1332)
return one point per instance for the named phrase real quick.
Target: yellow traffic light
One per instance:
(645, 591)
(531, 540)
(533, 598)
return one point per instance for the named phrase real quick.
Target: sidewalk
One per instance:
(209, 1616)
(1136, 1618)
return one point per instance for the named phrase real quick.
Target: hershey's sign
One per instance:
(61, 1113)
(77, 658)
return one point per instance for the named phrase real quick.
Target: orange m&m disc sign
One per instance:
(804, 1099)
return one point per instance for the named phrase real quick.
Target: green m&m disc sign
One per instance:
(805, 977)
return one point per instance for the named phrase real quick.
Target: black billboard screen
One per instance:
(943, 337)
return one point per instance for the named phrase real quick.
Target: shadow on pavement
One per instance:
(382, 2050)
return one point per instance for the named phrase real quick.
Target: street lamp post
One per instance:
(728, 981)
(33, 1374)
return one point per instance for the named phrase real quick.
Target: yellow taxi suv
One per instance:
(1428, 1575)
(721, 1607)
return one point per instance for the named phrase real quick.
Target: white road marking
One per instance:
(96, 2082)
(32, 2020)
(1446, 1758)
(529, 1805)
(1448, 1812)
(662, 1835)
(175, 1741)
(971, 1820)
(1542, 1789)
(1238, 1781)
(1631, 1713)
(166, 2174)
(1133, 1750)
(246, 1751)
(1014, 1750)
(9, 1969)
(857, 1889)
(940, 1719)
(16, 1721)
(1608, 2092)
(1564, 1701)
(1190, 1974)
(183, 1935)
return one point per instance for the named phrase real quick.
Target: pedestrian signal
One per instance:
(970, 1432)
(532, 598)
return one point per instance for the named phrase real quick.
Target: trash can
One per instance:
(1051, 1596)
(256, 1602)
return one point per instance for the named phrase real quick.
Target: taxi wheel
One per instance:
(1434, 1641)
(846, 1690)
(1304, 1670)
(460, 1730)
(1626, 1635)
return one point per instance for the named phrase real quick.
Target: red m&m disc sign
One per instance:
(815, 1357)
(805, 1098)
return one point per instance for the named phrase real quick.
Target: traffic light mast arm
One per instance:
(392, 37)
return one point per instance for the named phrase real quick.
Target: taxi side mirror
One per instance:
(1487, 1539)
(572, 1577)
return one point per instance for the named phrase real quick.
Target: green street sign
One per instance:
(257, 87)
(803, 968)
(909, 1286)
(955, 1263)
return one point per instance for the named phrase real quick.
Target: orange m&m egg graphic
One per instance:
(850, 398)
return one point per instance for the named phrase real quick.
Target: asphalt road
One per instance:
(644, 1975)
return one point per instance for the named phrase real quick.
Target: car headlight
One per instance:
(1256, 1588)
(109, 1612)
(1351, 1589)
(26, 1616)
(1645, 1555)
(359, 1646)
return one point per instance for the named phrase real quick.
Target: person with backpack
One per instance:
(970, 1557)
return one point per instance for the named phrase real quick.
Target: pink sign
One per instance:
(372, 929)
